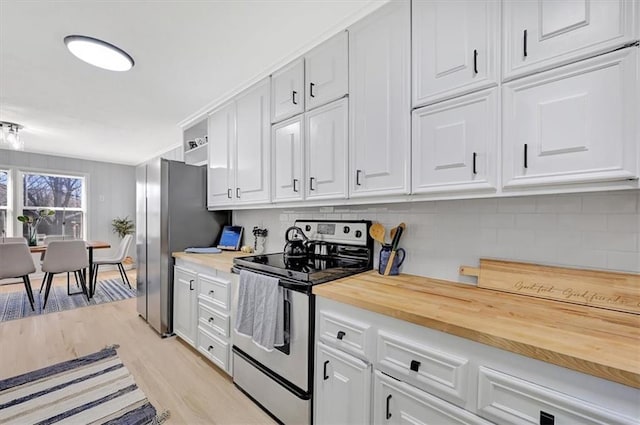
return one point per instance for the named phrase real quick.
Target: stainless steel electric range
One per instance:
(317, 251)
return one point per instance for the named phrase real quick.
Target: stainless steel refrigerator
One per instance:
(171, 215)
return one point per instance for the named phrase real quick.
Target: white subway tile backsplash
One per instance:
(600, 230)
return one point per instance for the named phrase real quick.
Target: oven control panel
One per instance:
(340, 232)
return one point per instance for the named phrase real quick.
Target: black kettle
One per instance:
(297, 243)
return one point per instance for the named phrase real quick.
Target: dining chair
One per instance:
(65, 257)
(13, 240)
(115, 260)
(16, 262)
(51, 238)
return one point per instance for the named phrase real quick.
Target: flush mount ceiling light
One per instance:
(99, 53)
(9, 138)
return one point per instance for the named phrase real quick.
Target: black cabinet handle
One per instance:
(237, 192)
(526, 159)
(475, 61)
(210, 348)
(524, 44)
(212, 293)
(415, 365)
(475, 155)
(191, 285)
(324, 370)
(311, 90)
(311, 179)
(229, 193)
(211, 319)
(294, 185)
(388, 414)
(547, 418)
(358, 172)
(340, 335)
(293, 97)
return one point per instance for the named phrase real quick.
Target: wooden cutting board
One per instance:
(595, 288)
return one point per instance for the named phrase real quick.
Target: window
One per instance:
(4, 201)
(61, 193)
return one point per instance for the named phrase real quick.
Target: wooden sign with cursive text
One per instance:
(595, 288)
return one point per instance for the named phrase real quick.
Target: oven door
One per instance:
(292, 361)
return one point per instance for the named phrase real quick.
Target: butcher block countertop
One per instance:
(222, 261)
(595, 341)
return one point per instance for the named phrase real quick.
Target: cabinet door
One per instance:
(288, 160)
(379, 105)
(541, 34)
(343, 388)
(287, 91)
(574, 124)
(396, 402)
(326, 151)
(454, 144)
(326, 72)
(220, 171)
(455, 48)
(184, 304)
(253, 145)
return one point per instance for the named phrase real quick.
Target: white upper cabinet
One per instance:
(221, 171)
(455, 144)
(574, 124)
(540, 34)
(253, 147)
(325, 71)
(287, 174)
(455, 48)
(326, 137)
(379, 102)
(287, 91)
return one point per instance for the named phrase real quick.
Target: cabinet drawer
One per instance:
(214, 290)
(214, 349)
(435, 371)
(399, 402)
(345, 333)
(213, 320)
(506, 399)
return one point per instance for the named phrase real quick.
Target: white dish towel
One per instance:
(260, 313)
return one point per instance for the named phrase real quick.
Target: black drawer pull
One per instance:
(340, 335)
(388, 414)
(211, 319)
(212, 293)
(293, 97)
(324, 370)
(415, 365)
(547, 418)
(210, 348)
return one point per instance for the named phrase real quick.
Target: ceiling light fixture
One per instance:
(99, 53)
(9, 138)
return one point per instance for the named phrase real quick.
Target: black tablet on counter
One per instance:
(230, 238)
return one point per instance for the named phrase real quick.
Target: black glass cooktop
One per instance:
(309, 270)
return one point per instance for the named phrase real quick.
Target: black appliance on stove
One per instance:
(281, 381)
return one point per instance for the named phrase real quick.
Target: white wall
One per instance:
(596, 230)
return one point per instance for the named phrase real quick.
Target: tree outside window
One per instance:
(62, 194)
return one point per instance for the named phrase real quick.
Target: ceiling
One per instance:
(190, 55)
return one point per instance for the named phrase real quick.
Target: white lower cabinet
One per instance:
(184, 304)
(396, 402)
(343, 388)
(202, 314)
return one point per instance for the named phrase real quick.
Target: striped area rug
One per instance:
(15, 305)
(95, 389)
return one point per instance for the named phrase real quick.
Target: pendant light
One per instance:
(99, 53)
(9, 138)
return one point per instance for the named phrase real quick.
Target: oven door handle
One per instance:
(286, 348)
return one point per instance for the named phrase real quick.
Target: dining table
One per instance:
(91, 245)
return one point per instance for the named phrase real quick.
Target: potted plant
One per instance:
(122, 227)
(32, 221)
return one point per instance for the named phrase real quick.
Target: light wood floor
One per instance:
(172, 375)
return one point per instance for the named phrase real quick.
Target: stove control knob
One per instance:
(358, 233)
(307, 228)
(290, 273)
(346, 229)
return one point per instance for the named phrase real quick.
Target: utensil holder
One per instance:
(397, 261)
